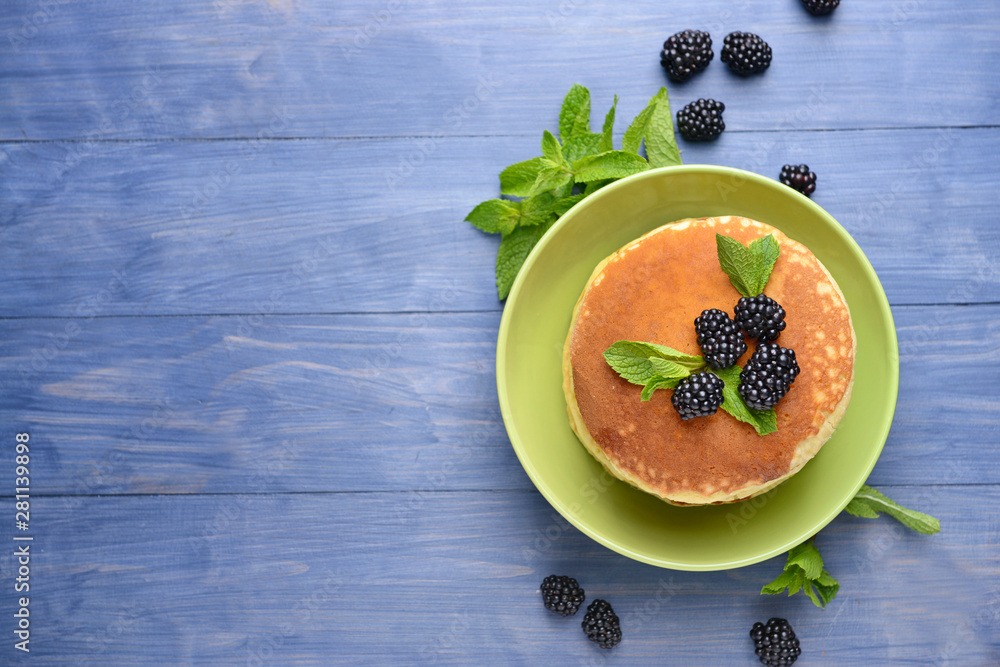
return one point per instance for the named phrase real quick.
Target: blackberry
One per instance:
(767, 376)
(698, 395)
(701, 120)
(798, 177)
(686, 53)
(760, 317)
(719, 337)
(820, 7)
(562, 595)
(745, 53)
(775, 643)
(601, 624)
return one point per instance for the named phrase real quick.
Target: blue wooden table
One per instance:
(252, 339)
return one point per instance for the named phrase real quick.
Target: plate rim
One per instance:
(543, 488)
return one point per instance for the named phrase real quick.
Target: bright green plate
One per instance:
(529, 376)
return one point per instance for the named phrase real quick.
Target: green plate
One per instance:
(529, 376)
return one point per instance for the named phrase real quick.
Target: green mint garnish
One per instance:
(804, 572)
(633, 360)
(748, 268)
(574, 166)
(869, 502)
(574, 118)
(763, 421)
(661, 145)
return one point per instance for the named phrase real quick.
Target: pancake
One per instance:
(652, 290)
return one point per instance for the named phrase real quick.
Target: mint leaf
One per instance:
(763, 421)
(609, 126)
(669, 369)
(631, 359)
(495, 216)
(551, 178)
(802, 573)
(874, 501)
(517, 179)
(594, 186)
(637, 130)
(551, 148)
(738, 263)
(581, 146)
(661, 145)
(566, 203)
(781, 582)
(612, 164)
(827, 587)
(765, 252)
(657, 382)
(574, 118)
(514, 249)
(806, 556)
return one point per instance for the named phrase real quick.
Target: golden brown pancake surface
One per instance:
(652, 290)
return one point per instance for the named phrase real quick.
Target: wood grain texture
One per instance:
(326, 227)
(453, 579)
(382, 402)
(396, 67)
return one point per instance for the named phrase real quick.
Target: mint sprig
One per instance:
(573, 166)
(804, 567)
(748, 267)
(804, 572)
(869, 502)
(763, 421)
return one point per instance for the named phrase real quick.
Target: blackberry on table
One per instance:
(768, 376)
(775, 643)
(701, 120)
(745, 53)
(562, 595)
(720, 338)
(798, 177)
(698, 395)
(601, 624)
(760, 317)
(820, 7)
(686, 53)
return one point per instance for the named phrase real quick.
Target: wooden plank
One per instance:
(381, 402)
(321, 227)
(356, 68)
(356, 578)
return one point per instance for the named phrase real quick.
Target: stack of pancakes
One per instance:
(652, 290)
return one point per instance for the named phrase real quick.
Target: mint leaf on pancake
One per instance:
(574, 118)
(869, 502)
(661, 144)
(763, 421)
(765, 252)
(633, 360)
(517, 179)
(748, 268)
(658, 382)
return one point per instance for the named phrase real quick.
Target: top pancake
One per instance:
(652, 290)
